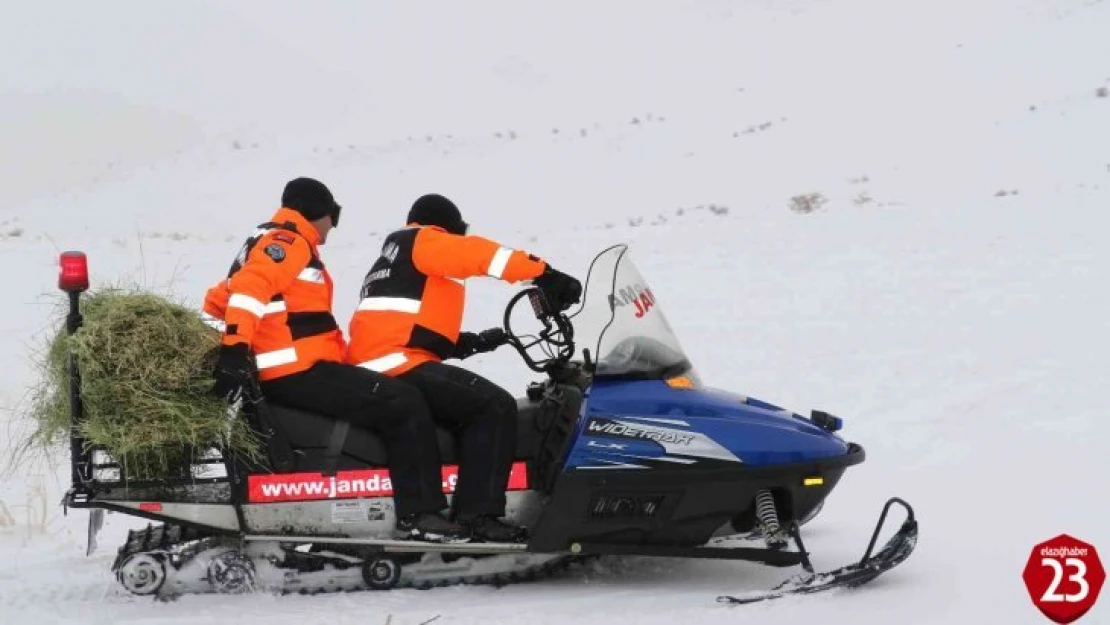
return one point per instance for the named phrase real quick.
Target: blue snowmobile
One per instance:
(621, 450)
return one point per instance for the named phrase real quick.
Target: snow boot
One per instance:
(431, 527)
(488, 528)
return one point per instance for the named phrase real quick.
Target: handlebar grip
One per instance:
(539, 304)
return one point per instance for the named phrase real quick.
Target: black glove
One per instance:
(470, 343)
(560, 290)
(232, 371)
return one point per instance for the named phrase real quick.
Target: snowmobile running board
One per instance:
(764, 556)
(894, 552)
(398, 546)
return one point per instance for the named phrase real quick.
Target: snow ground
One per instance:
(948, 299)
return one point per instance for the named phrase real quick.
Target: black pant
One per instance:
(483, 415)
(384, 405)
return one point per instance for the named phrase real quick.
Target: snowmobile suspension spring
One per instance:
(765, 511)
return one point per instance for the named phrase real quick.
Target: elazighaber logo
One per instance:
(1064, 576)
(269, 488)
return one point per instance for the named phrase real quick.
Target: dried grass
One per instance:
(145, 363)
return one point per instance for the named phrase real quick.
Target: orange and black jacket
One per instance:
(277, 298)
(411, 309)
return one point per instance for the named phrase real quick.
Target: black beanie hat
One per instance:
(310, 198)
(435, 210)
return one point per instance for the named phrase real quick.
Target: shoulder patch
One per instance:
(284, 237)
(276, 252)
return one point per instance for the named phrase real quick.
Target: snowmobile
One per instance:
(622, 450)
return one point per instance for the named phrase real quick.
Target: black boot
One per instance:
(431, 527)
(488, 528)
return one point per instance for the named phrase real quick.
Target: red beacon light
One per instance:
(74, 272)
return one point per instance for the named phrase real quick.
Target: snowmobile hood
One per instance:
(735, 428)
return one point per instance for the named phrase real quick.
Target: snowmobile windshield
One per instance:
(623, 326)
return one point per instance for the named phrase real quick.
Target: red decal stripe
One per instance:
(361, 483)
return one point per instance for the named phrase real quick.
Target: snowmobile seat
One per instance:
(310, 434)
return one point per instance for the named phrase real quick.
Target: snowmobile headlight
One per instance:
(813, 481)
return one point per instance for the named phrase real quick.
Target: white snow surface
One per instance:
(948, 299)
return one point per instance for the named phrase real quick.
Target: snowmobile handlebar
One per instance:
(556, 338)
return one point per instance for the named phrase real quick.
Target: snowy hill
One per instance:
(893, 211)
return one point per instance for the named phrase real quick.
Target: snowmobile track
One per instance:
(188, 541)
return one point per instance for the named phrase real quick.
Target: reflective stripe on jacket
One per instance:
(412, 299)
(277, 298)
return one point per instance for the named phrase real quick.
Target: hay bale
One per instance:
(145, 365)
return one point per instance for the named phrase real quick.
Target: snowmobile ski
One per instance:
(894, 552)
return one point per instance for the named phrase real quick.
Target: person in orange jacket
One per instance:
(408, 322)
(276, 304)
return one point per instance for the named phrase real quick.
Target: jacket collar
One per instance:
(303, 226)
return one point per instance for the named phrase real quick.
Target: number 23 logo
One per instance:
(1079, 577)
